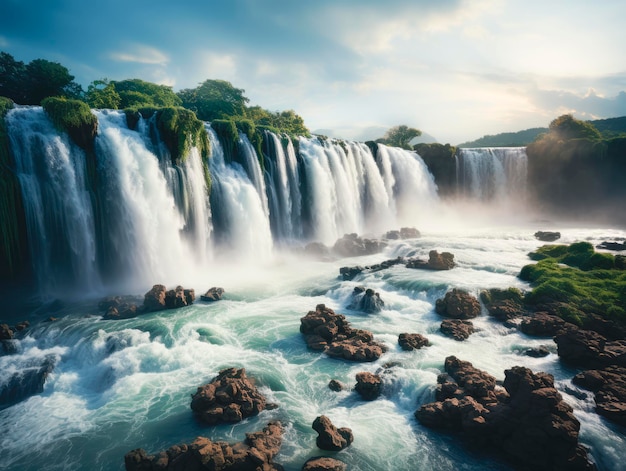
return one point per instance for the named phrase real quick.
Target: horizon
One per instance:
(456, 71)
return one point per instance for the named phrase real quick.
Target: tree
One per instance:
(215, 99)
(12, 74)
(45, 79)
(400, 136)
(137, 93)
(567, 127)
(102, 94)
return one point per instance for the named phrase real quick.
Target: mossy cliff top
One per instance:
(75, 118)
(578, 283)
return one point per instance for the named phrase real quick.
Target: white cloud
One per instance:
(140, 54)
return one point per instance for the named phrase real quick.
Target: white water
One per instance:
(57, 204)
(119, 385)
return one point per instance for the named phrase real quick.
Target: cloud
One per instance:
(140, 54)
(589, 105)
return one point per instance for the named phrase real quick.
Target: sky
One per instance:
(455, 69)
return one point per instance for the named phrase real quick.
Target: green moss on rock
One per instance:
(226, 131)
(75, 118)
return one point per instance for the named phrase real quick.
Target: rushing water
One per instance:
(117, 385)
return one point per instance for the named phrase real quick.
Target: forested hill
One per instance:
(609, 128)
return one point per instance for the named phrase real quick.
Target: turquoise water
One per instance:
(120, 385)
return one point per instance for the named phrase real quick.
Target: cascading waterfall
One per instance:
(492, 173)
(253, 169)
(60, 222)
(240, 219)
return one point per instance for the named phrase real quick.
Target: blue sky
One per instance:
(456, 69)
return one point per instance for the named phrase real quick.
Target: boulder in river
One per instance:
(213, 294)
(330, 437)
(458, 304)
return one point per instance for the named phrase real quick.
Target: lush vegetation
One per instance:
(74, 117)
(578, 283)
(506, 139)
(399, 136)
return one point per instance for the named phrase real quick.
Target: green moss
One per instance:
(498, 295)
(578, 282)
(181, 130)
(74, 117)
(226, 131)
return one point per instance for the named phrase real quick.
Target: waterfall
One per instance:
(492, 173)
(57, 203)
(240, 221)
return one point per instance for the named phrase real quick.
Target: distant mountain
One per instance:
(370, 133)
(611, 127)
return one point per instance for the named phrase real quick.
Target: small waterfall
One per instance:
(60, 221)
(253, 169)
(492, 173)
(240, 222)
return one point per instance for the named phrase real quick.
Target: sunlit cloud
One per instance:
(140, 54)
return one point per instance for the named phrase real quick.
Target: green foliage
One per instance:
(400, 136)
(181, 130)
(567, 127)
(136, 93)
(214, 99)
(5, 105)
(589, 286)
(101, 94)
(497, 295)
(506, 139)
(611, 128)
(29, 84)
(74, 117)
(226, 131)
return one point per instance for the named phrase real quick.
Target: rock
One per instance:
(6, 333)
(330, 437)
(154, 300)
(503, 304)
(609, 386)
(537, 352)
(392, 235)
(368, 385)
(255, 453)
(529, 421)
(349, 273)
(331, 333)
(589, 349)
(436, 261)
(159, 298)
(412, 341)
(457, 329)
(213, 294)
(335, 385)
(317, 250)
(25, 383)
(542, 324)
(458, 304)
(324, 463)
(230, 397)
(547, 236)
(615, 246)
(366, 300)
(351, 245)
(409, 233)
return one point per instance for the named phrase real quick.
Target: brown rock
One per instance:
(324, 464)
(213, 294)
(458, 304)
(228, 398)
(154, 300)
(5, 332)
(457, 329)
(609, 386)
(368, 385)
(436, 261)
(412, 341)
(542, 324)
(330, 437)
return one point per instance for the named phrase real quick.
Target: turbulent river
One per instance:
(124, 384)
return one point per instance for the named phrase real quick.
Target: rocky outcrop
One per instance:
(609, 386)
(230, 397)
(436, 261)
(542, 324)
(457, 329)
(503, 304)
(537, 352)
(615, 246)
(412, 341)
(351, 245)
(368, 385)
(330, 437)
(331, 333)
(528, 421)
(213, 294)
(159, 298)
(6, 333)
(324, 463)
(403, 233)
(119, 307)
(349, 273)
(547, 236)
(255, 453)
(366, 300)
(458, 304)
(21, 385)
(589, 349)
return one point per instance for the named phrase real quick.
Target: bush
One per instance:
(74, 117)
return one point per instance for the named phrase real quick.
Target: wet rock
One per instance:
(6, 333)
(330, 437)
(368, 385)
(589, 349)
(457, 329)
(458, 304)
(324, 463)
(349, 273)
(351, 245)
(335, 385)
(213, 294)
(615, 246)
(412, 341)
(118, 307)
(326, 331)
(436, 261)
(159, 298)
(255, 453)
(366, 300)
(609, 386)
(528, 421)
(547, 236)
(503, 304)
(228, 398)
(403, 233)
(537, 352)
(542, 324)
(26, 383)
